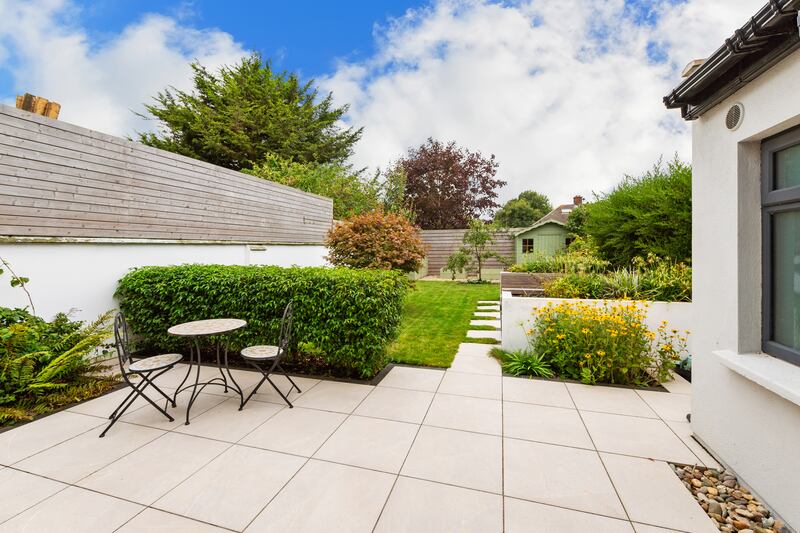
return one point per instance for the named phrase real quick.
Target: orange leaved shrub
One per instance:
(378, 240)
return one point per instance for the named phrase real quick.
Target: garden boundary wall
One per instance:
(441, 243)
(517, 317)
(79, 208)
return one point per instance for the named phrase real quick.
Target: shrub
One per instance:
(44, 365)
(650, 214)
(652, 279)
(607, 343)
(341, 316)
(376, 240)
(568, 261)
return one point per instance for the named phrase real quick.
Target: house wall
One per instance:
(744, 404)
(517, 317)
(547, 240)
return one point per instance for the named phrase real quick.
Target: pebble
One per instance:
(731, 507)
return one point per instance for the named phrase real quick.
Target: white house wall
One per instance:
(84, 276)
(749, 427)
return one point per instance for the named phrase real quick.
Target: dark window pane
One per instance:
(787, 167)
(786, 278)
(527, 246)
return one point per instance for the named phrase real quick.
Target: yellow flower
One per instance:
(561, 336)
(601, 353)
(585, 330)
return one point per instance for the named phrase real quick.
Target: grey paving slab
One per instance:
(298, 431)
(396, 404)
(538, 391)
(421, 379)
(474, 349)
(530, 517)
(21, 442)
(478, 334)
(476, 365)
(553, 425)
(20, 491)
(490, 323)
(488, 314)
(466, 413)
(478, 385)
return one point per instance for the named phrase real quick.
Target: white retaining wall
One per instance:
(517, 317)
(84, 275)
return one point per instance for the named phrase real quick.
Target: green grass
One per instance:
(436, 319)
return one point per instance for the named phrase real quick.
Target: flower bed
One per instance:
(605, 343)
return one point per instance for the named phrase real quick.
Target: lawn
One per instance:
(436, 319)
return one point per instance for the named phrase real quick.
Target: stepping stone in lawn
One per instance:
(472, 334)
(488, 308)
(487, 314)
(492, 323)
(474, 349)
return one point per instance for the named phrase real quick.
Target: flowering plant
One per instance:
(607, 342)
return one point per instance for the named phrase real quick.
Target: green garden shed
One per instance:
(547, 236)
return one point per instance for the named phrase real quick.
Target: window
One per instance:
(527, 246)
(780, 210)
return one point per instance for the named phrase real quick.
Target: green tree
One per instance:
(236, 117)
(477, 241)
(576, 221)
(351, 193)
(524, 210)
(649, 214)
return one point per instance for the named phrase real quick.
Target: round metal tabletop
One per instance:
(213, 326)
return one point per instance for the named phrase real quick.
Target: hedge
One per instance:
(344, 316)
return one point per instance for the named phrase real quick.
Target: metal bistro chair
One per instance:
(267, 359)
(144, 368)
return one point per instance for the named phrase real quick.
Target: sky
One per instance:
(567, 94)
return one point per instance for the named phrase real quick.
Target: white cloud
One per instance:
(98, 85)
(563, 92)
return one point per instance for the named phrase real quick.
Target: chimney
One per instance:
(38, 105)
(577, 200)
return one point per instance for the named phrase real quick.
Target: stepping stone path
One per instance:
(488, 314)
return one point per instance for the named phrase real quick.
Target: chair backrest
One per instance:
(121, 338)
(286, 331)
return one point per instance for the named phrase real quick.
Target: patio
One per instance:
(426, 450)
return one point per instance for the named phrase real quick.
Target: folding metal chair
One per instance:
(148, 369)
(267, 359)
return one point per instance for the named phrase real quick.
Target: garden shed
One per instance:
(547, 236)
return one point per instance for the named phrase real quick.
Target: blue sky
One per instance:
(566, 93)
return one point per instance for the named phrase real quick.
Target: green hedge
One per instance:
(345, 316)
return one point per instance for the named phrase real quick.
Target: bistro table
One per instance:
(216, 327)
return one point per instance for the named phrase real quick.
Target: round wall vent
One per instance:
(734, 117)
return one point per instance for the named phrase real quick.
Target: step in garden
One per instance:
(490, 323)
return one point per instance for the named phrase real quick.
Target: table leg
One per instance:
(219, 364)
(234, 384)
(195, 392)
(188, 372)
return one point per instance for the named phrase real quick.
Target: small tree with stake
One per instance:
(475, 252)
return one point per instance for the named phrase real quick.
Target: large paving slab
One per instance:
(477, 334)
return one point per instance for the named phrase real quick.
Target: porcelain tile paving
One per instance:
(643, 528)
(641, 437)
(547, 474)
(20, 490)
(150, 472)
(233, 488)
(487, 314)
(476, 385)
(490, 323)
(677, 385)
(668, 406)
(85, 454)
(478, 334)
(369, 443)
(466, 413)
(334, 396)
(326, 497)
(421, 379)
(149, 416)
(396, 404)
(474, 349)
(684, 432)
(459, 458)
(104, 405)
(155, 521)
(23, 441)
(298, 431)
(425, 507)
(226, 422)
(553, 393)
(554, 425)
(529, 517)
(476, 365)
(268, 394)
(616, 400)
(74, 510)
(653, 494)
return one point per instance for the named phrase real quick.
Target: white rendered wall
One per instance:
(748, 426)
(84, 276)
(517, 317)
